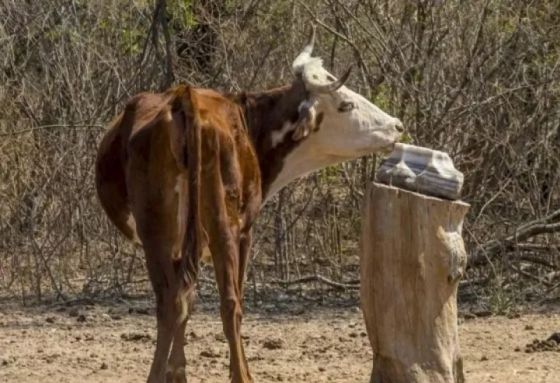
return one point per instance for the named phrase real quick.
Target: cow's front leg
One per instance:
(221, 219)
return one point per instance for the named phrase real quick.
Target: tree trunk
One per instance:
(412, 257)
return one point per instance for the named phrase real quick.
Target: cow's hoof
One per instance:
(176, 376)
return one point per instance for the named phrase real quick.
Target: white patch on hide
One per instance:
(278, 136)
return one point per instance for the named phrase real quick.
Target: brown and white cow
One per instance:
(190, 169)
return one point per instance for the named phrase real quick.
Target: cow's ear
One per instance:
(302, 129)
(306, 120)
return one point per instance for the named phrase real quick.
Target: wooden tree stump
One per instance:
(412, 257)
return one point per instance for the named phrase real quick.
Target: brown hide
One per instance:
(180, 171)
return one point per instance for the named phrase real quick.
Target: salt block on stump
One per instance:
(423, 170)
(412, 258)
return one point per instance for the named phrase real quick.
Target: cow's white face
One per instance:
(348, 126)
(336, 124)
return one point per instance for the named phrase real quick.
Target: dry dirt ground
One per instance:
(114, 343)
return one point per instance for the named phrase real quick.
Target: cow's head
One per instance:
(347, 125)
(335, 124)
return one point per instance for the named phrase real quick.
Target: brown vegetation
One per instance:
(479, 79)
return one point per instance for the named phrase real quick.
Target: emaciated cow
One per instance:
(188, 170)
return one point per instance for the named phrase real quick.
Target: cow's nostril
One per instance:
(399, 126)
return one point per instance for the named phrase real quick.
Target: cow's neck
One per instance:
(270, 119)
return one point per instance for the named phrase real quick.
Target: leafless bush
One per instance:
(478, 79)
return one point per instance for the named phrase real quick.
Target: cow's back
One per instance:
(137, 153)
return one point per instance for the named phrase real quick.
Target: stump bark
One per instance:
(412, 257)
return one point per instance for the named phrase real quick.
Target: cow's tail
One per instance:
(192, 242)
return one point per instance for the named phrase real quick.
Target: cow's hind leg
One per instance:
(176, 370)
(170, 309)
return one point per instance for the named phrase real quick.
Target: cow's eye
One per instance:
(346, 106)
